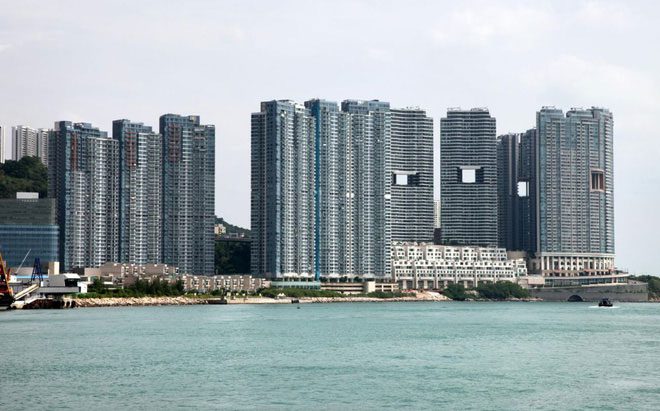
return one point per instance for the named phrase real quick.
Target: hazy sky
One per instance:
(97, 61)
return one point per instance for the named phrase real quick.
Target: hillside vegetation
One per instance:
(27, 174)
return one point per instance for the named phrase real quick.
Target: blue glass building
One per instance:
(28, 225)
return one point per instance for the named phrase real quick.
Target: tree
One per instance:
(455, 292)
(27, 174)
(501, 290)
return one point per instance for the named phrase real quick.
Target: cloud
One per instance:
(516, 27)
(593, 81)
(4, 47)
(605, 14)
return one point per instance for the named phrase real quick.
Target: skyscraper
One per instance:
(83, 176)
(468, 178)
(508, 153)
(140, 194)
(575, 217)
(2, 144)
(188, 193)
(340, 169)
(42, 144)
(411, 156)
(28, 141)
(370, 129)
(24, 142)
(283, 190)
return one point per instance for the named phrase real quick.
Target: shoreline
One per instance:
(181, 300)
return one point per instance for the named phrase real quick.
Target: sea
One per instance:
(339, 356)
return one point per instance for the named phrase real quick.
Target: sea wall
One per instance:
(141, 301)
(623, 293)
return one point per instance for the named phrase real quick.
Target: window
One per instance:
(597, 180)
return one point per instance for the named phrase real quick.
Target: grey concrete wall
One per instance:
(622, 293)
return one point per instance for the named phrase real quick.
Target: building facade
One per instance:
(517, 195)
(283, 184)
(140, 193)
(83, 176)
(426, 266)
(28, 141)
(188, 193)
(468, 178)
(333, 185)
(412, 202)
(575, 226)
(28, 229)
(369, 138)
(3, 144)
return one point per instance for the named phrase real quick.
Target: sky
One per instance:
(96, 61)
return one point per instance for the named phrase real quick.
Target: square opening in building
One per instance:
(597, 180)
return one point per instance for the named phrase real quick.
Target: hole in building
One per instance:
(523, 188)
(468, 175)
(597, 180)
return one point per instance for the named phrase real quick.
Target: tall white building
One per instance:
(2, 144)
(283, 184)
(27, 141)
(140, 192)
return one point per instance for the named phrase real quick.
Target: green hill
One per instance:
(27, 174)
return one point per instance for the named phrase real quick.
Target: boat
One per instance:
(605, 302)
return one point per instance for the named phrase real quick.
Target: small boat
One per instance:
(605, 302)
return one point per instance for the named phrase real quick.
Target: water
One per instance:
(334, 356)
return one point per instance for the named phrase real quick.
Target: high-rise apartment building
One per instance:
(516, 159)
(283, 190)
(468, 178)
(83, 176)
(188, 193)
(3, 144)
(556, 192)
(28, 141)
(575, 226)
(42, 144)
(140, 194)
(24, 142)
(411, 149)
(344, 187)
(370, 128)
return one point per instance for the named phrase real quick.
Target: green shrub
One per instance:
(501, 290)
(456, 292)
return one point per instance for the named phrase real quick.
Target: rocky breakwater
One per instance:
(137, 301)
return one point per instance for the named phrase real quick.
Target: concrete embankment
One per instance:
(137, 302)
(633, 292)
(154, 301)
